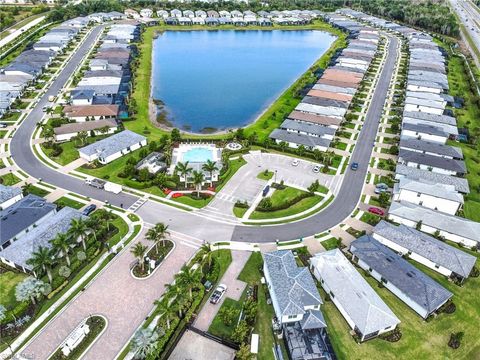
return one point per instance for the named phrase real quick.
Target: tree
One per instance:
(42, 260)
(241, 332)
(79, 230)
(301, 150)
(283, 145)
(104, 130)
(384, 199)
(144, 343)
(198, 180)
(29, 289)
(64, 271)
(175, 135)
(26, 188)
(317, 154)
(62, 244)
(244, 353)
(210, 167)
(228, 314)
(158, 233)
(188, 278)
(165, 309)
(82, 137)
(206, 250)
(183, 169)
(176, 294)
(139, 251)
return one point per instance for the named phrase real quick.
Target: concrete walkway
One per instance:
(235, 289)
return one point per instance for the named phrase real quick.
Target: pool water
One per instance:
(198, 154)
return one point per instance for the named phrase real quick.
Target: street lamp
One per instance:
(275, 180)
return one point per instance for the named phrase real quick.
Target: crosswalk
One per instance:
(137, 204)
(187, 240)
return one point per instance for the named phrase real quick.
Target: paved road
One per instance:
(16, 33)
(200, 225)
(470, 17)
(23, 154)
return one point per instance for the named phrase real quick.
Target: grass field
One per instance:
(266, 122)
(65, 201)
(69, 153)
(9, 179)
(8, 282)
(421, 339)
(37, 191)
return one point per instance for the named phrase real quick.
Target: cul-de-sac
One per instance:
(240, 179)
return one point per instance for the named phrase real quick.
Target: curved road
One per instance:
(190, 223)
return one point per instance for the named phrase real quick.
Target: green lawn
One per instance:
(239, 212)
(3, 133)
(69, 153)
(194, 202)
(282, 196)
(420, 340)
(251, 271)
(330, 244)
(265, 175)
(265, 124)
(37, 191)
(65, 201)
(9, 179)
(8, 282)
(217, 327)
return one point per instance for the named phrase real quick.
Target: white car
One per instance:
(316, 169)
(218, 293)
(295, 162)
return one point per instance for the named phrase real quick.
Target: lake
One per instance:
(215, 80)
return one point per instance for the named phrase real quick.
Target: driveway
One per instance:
(115, 294)
(235, 289)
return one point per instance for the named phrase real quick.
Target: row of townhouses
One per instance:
(314, 122)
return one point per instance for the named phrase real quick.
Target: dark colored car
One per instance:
(89, 209)
(354, 166)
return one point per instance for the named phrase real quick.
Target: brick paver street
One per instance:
(115, 294)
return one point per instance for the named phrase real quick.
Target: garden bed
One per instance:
(157, 253)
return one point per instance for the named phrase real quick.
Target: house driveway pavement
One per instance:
(115, 294)
(235, 289)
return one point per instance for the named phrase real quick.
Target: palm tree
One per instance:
(177, 296)
(283, 145)
(82, 137)
(144, 343)
(198, 179)
(62, 243)
(158, 233)
(165, 308)
(207, 252)
(79, 230)
(188, 278)
(26, 188)
(42, 259)
(183, 169)
(139, 251)
(210, 167)
(104, 130)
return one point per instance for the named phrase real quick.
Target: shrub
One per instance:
(475, 272)
(227, 315)
(392, 336)
(455, 340)
(64, 271)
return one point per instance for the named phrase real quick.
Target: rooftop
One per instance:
(457, 166)
(293, 286)
(400, 273)
(8, 192)
(441, 191)
(307, 127)
(351, 290)
(296, 138)
(431, 147)
(84, 126)
(113, 144)
(90, 110)
(427, 246)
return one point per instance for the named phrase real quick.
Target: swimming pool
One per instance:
(198, 154)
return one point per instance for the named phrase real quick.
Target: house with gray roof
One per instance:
(113, 147)
(9, 195)
(425, 132)
(432, 163)
(296, 302)
(364, 311)
(295, 139)
(82, 96)
(437, 127)
(460, 184)
(20, 251)
(425, 249)
(434, 196)
(450, 227)
(23, 216)
(308, 128)
(420, 292)
(431, 148)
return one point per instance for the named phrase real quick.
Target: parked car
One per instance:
(316, 169)
(89, 209)
(96, 183)
(3, 125)
(354, 166)
(376, 211)
(218, 293)
(295, 162)
(380, 188)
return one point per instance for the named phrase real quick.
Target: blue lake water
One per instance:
(225, 79)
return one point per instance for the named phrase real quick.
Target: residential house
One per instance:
(296, 302)
(9, 195)
(363, 310)
(453, 228)
(80, 113)
(81, 97)
(146, 13)
(153, 162)
(432, 163)
(425, 249)
(100, 127)
(434, 196)
(294, 140)
(308, 128)
(422, 294)
(113, 147)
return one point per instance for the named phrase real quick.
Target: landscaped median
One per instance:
(285, 204)
(151, 260)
